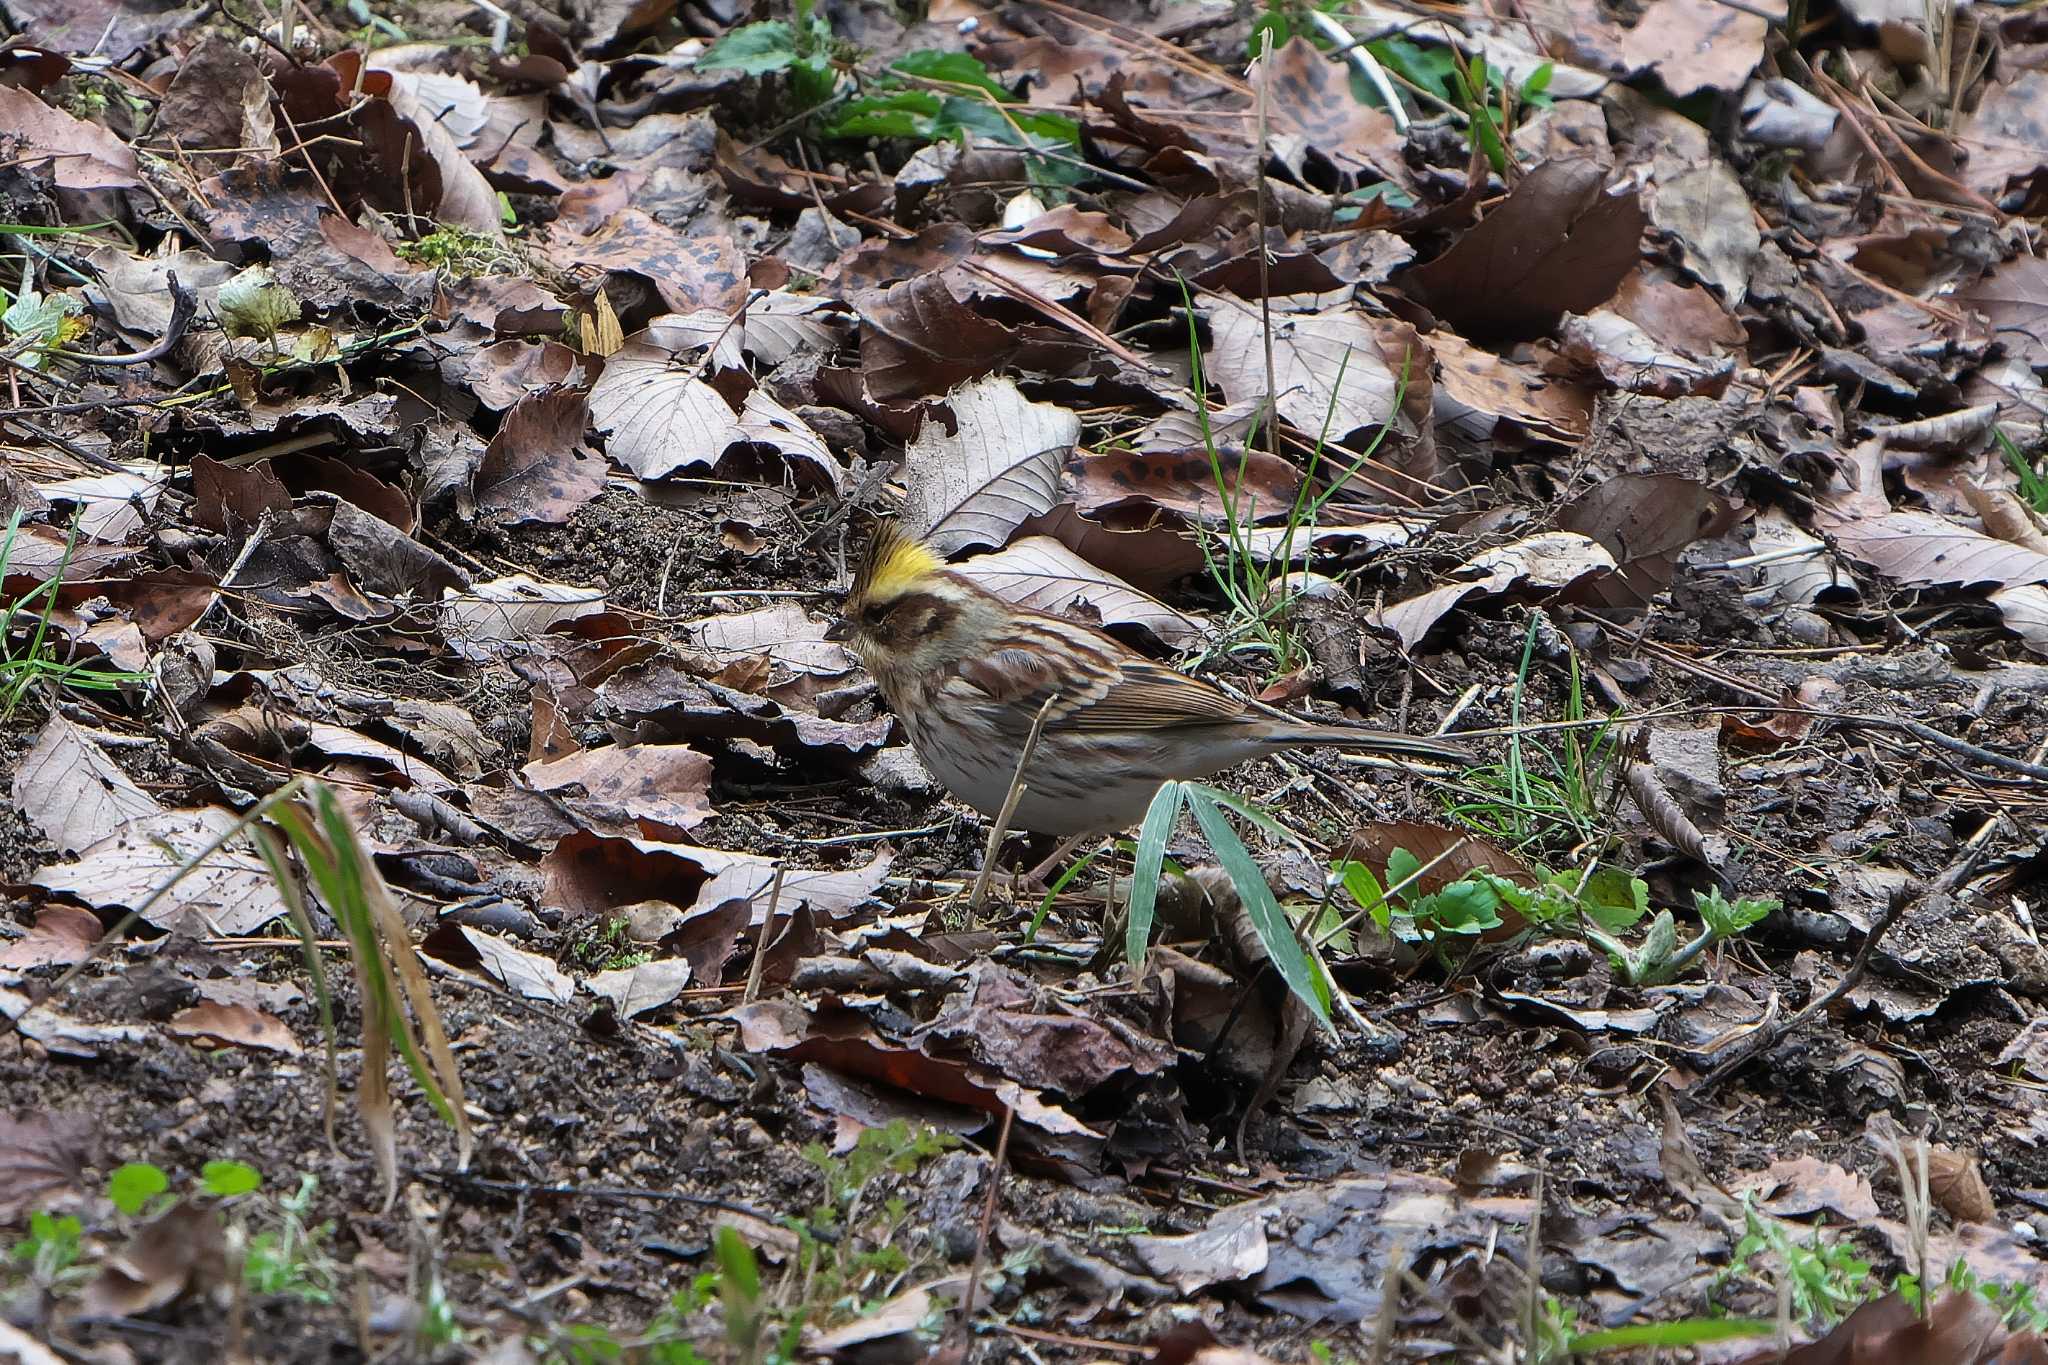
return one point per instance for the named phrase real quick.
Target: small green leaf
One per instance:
(906, 113)
(1539, 80)
(737, 1264)
(1724, 920)
(754, 49)
(229, 1178)
(1465, 907)
(1613, 899)
(1402, 865)
(1364, 888)
(1670, 1335)
(954, 68)
(135, 1184)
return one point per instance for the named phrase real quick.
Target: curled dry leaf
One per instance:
(639, 990)
(182, 1250)
(2025, 610)
(527, 974)
(974, 481)
(1551, 559)
(1041, 573)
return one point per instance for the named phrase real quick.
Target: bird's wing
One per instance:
(1129, 693)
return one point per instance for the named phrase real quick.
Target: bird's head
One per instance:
(905, 611)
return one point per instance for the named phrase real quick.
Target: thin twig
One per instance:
(1001, 826)
(988, 1218)
(761, 946)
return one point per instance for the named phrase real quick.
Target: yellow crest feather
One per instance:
(896, 563)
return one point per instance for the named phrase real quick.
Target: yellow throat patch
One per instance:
(897, 562)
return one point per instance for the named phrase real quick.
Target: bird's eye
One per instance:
(875, 614)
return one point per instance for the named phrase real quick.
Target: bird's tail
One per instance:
(1391, 743)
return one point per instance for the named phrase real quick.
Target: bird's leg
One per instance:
(1046, 868)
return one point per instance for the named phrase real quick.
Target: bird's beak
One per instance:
(839, 629)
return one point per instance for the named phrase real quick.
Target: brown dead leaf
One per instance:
(61, 935)
(621, 788)
(639, 990)
(845, 1043)
(1919, 550)
(537, 468)
(43, 1160)
(1337, 371)
(218, 1025)
(1559, 243)
(74, 154)
(180, 1251)
(783, 633)
(1800, 1187)
(1549, 560)
(1040, 573)
(68, 787)
(524, 973)
(231, 892)
(1646, 521)
(972, 480)
(510, 610)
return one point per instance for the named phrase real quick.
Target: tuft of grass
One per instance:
(304, 820)
(1256, 586)
(33, 664)
(1543, 794)
(461, 252)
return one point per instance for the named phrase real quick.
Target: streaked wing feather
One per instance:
(1149, 696)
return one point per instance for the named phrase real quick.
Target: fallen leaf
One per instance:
(1040, 573)
(72, 792)
(643, 989)
(524, 973)
(537, 469)
(233, 1026)
(1559, 243)
(61, 936)
(231, 892)
(997, 464)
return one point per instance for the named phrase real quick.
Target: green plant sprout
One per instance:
(1541, 795)
(2031, 473)
(1255, 585)
(33, 663)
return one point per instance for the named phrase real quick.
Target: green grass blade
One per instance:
(1671, 1335)
(1145, 866)
(1274, 929)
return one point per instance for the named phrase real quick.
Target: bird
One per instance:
(969, 673)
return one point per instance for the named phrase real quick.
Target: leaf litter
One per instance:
(486, 431)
